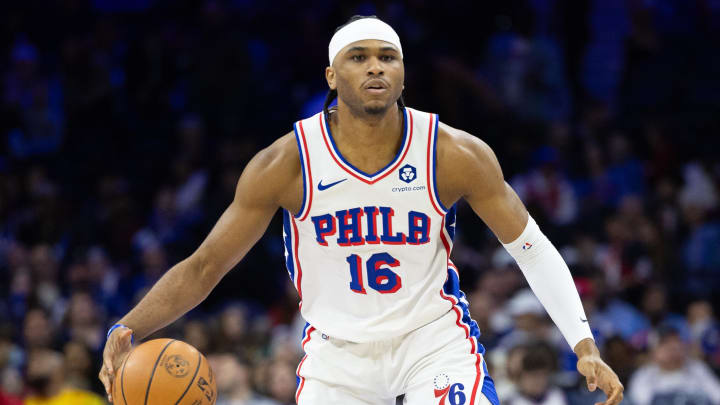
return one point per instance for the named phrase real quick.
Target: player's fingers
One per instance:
(613, 401)
(591, 381)
(610, 384)
(108, 365)
(106, 380)
(120, 347)
(616, 397)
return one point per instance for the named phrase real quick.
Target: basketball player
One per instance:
(368, 192)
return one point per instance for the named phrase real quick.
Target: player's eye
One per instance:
(358, 58)
(387, 58)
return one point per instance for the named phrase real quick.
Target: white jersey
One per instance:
(369, 253)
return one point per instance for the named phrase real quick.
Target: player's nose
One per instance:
(375, 66)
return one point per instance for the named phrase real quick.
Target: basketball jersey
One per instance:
(369, 253)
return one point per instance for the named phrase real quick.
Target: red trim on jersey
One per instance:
(297, 372)
(309, 172)
(302, 380)
(444, 240)
(307, 336)
(298, 278)
(353, 172)
(430, 170)
(477, 379)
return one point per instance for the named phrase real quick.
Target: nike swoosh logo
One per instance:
(584, 320)
(322, 187)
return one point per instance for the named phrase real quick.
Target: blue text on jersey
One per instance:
(351, 230)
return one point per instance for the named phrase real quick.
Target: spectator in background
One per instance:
(44, 266)
(704, 333)
(625, 171)
(105, 281)
(82, 322)
(534, 381)
(609, 314)
(655, 309)
(195, 333)
(79, 367)
(621, 356)
(9, 399)
(10, 358)
(41, 131)
(48, 384)
(19, 293)
(154, 264)
(233, 335)
(22, 74)
(671, 376)
(282, 383)
(506, 370)
(698, 197)
(548, 188)
(530, 321)
(38, 331)
(233, 381)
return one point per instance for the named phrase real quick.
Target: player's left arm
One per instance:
(467, 168)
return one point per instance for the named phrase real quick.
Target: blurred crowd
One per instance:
(126, 124)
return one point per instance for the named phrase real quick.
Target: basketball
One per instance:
(164, 371)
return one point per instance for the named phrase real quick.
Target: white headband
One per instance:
(358, 30)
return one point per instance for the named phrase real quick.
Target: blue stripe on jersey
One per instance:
(397, 156)
(450, 222)
(488, 387)
(302, 165)
(288, 242)
(434, 163)
(452, 287)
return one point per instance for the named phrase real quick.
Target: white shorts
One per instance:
(440, 363)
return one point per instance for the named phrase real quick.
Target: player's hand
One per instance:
(598, 373)
(117, 348)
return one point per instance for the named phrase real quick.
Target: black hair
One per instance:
(538, 355)
(332, 94)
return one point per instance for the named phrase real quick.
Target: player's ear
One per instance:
(330, 77)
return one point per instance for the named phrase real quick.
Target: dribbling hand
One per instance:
(117, 348)
(599, 374)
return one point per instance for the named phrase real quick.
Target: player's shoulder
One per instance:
(461, 147)
(276, 166)
(463, 159)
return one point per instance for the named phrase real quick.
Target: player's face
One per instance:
(368, 76)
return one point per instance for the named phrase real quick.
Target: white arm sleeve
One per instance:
(550, 280)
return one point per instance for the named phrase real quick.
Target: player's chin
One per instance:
(376, 107)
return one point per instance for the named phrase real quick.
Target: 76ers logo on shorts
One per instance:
(408, 173)
(452, 392)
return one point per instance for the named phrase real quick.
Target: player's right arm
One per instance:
(272, 179)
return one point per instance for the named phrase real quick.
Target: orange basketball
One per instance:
(164, 371)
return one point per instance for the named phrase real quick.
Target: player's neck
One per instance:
(366, 129)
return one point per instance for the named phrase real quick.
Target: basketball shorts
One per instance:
(437, 364)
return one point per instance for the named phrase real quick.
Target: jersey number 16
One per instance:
(380, 279)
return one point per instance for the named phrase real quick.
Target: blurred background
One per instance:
(125, 125)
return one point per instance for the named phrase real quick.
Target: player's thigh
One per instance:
(316, 392)
(465, 389)
(449, 366)
(335, 371)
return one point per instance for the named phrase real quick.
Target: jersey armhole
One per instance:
(432, 165)
(306, 172)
